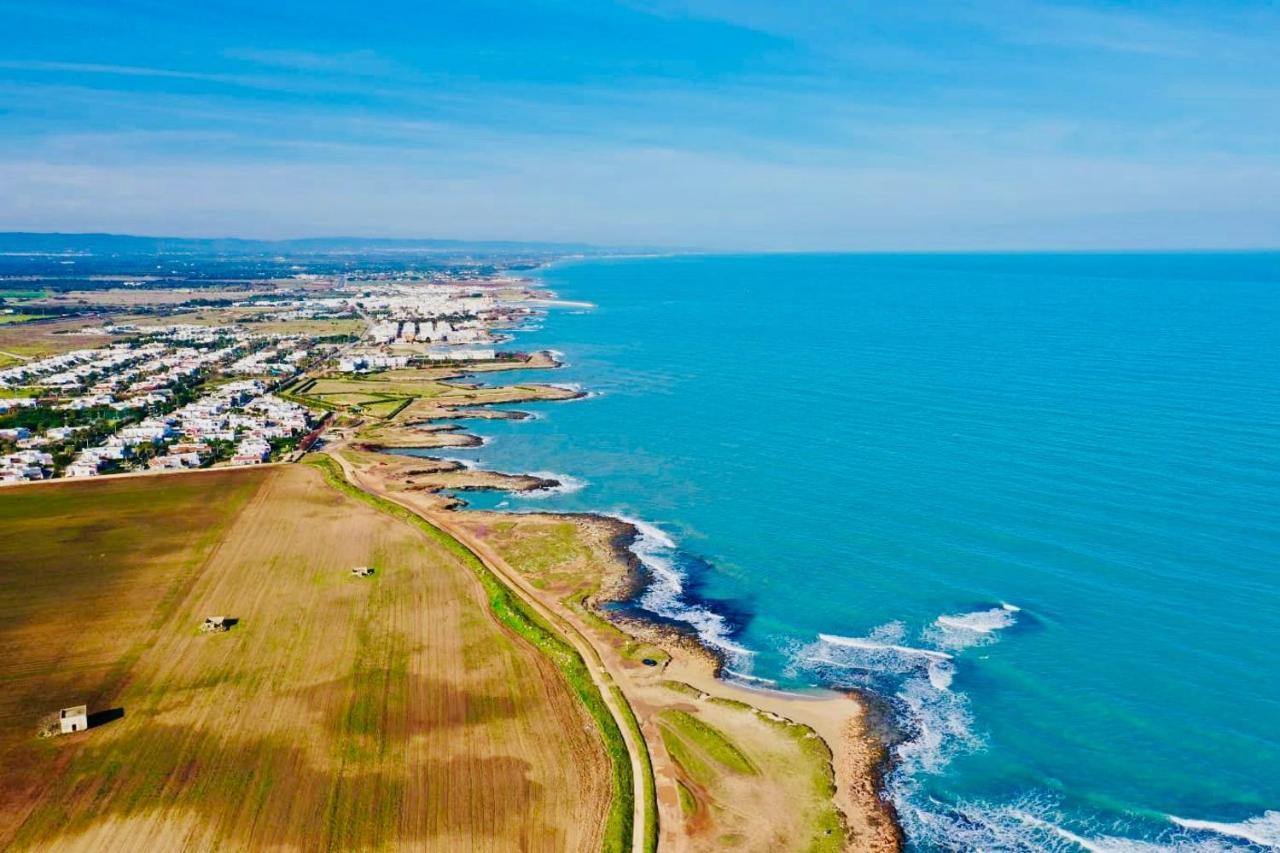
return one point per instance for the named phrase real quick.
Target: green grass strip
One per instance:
(710, 740)
(650, 792)
(309, 402)
(515, 613)
(400, 408)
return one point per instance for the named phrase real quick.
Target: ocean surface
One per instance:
(1033, 501)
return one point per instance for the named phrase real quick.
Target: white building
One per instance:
(74, 719)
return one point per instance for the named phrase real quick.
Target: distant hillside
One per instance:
(122, 244)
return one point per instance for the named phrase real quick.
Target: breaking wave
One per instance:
(935, 720)
(874, 654)
(1033, 824)
(665, 594)
(1262, 831)
(565, 484)
(748, 679)
(434, 453)
(575, 387)
(962, 630)
(936, 725)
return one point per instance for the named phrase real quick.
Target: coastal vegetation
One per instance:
(695, 735)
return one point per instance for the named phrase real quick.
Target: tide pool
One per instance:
(1031, 500)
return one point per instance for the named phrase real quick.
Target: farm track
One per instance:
(644, 828)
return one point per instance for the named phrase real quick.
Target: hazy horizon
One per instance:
(727, 127)
(568, 247)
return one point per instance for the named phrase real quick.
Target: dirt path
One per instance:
(573, 634)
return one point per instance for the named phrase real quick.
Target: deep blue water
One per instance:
(843, 449)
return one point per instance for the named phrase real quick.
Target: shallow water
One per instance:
(1032, 499)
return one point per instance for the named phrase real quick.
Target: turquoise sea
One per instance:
(1032, 501)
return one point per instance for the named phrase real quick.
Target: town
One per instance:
(168, 396)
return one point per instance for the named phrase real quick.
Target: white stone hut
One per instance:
(73, 719)
(214, 624)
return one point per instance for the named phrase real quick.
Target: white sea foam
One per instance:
(1036, 823)
(937, 725)
(940, 725)
(882, 648)
(936, 722)
(565, 484)
(962, 630)
(1052, 831)
(941, 674)
(665, 593)
(1031, 825)
(747, 677)
(1263, 831)
(575, 387)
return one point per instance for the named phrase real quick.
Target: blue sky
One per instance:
(729, 124)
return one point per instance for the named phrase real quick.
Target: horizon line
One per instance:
(569, 245)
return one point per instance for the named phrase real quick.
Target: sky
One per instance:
(716, 124)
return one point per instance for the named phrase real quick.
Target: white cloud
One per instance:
(665, 197)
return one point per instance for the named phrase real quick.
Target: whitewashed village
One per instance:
(184, 396)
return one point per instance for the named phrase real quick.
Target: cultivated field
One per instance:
(338, 712)
(137, 297)
(49, 337)
(253, 320)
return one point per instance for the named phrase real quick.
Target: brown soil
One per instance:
(338, 711)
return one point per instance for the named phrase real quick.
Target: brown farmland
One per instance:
(338, 712)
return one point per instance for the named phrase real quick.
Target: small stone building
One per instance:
(362, 571)
(74, 719)
(214, 624)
